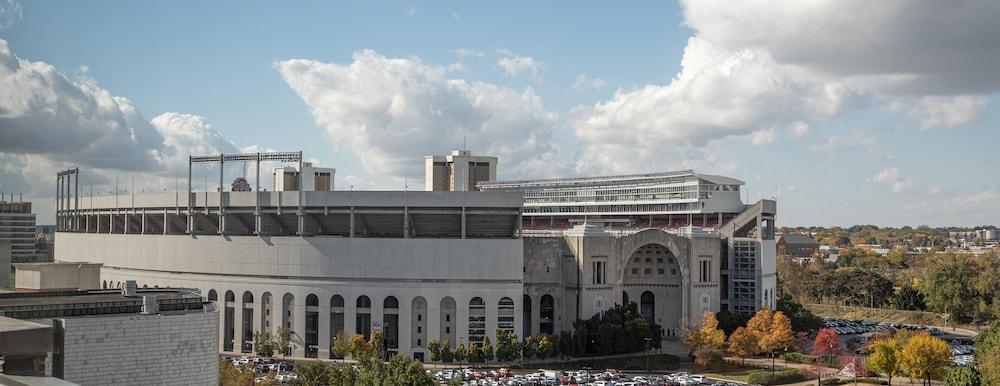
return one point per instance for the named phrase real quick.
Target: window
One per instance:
(420, 317)
(649, 260)
(635, 271)
(673, 271)
(660, 271)
(648, 271)
(419, 330)
(599, 275)
(659, 260)
(705, 271)
(447, 318)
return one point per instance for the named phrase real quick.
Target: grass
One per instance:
(881, 315)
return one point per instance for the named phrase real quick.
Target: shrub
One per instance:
(797, 357)
(766, 377)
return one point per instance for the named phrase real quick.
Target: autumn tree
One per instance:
(780, 337)
(460, 354)
(827, 343)
(341, 345)
(434, 349)
(925, 357)
(742, 343)
(988, 356)
(760, 326)
(705, 339)
(884, 357)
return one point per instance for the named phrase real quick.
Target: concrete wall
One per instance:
(6, 278)
(142, 349)
(323, 266)
(51, 276)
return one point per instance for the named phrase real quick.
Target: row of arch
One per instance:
(477, 326)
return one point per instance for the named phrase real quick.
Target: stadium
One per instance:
(423, 265)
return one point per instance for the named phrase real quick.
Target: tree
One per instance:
(925, 357)
(434, 349)
(802, 318)
(780, 337)
(707, 356)
(827, 343)
(949, 287)
(342, 346)
(230, 375)
(282, 339)
(705, 333)
(742, 343)
(760, 326)
(313, 374)
(360, 347)
(344, 376)
(544, 346)
(460, 353)
(988, 355)
(474, 353)
(884, 358)
(962, 376)
(263, 344)
(446, 354)
(488, 353)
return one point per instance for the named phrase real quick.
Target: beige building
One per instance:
(56, 276)
(286, 179)
(459, 171)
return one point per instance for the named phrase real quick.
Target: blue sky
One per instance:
(869, 117)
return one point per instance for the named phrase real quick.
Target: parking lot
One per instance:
(263, 366)
(862, 331)
(607, 377)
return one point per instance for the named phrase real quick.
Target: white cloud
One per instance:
(515, 65)
(754, 65)
(893, 178)
(967, 209)
(465, 52)
(455, 16)
(583, 82)
(942, 111)
(10, 12)
(764, 137)
(186, 134)
(935, 191)
(391, 112)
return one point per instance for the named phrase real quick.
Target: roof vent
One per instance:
(149, 306)
(129, 289)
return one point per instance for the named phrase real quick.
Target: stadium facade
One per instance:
(430, 265)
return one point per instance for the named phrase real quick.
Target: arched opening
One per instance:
(104, 284)
(336, 320)
(267, 309)
(390, 322)
(230, 322)
(625, 299)
(448, 332)
(546, 315)
(647, 306)
(312, 326)
(363, 320)
(477, 320)
(526, 314)
(649, 273)
(288, 317)
(418, 322)
(247, 338)
(505, 314)
(213, 296)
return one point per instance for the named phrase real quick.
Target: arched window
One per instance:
(213, 296)
(448, 320)
(390, 322)
(288, 316)
(337, 301)
(546, 313)
(247, 298)
(246, 341)
(477, 320)
(526, 314)
(267, 312)
(363, 318)
(647, 306)
(505, 314)
(336, 320)
(418, 318)
(229, 322)
(312, 326)
(230, 296)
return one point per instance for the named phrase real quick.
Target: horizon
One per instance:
(894, 126)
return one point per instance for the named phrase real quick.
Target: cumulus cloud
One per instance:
(755, 65)
(893, 178)
(515, 65)
(393, 111)
(948, 111)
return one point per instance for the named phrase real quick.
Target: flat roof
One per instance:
(55, 304)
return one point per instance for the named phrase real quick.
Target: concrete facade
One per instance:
(57, 276)
(166, 349)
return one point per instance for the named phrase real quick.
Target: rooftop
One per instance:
(598, 180)
(30, 305)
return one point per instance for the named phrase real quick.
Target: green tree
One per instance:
(263, 344)
(962, 376)
(313, 374)
(344, 376)
(949, 287)
(434, 349)
(460, 354)
(925, 357)
(341, 345)
(474, 353)
(446, 353)
(802, 319)
(230, 375)
(545, 346)
(283, 340)
(988, 355)
(488, 353)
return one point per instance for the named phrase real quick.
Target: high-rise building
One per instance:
(17, 226)
(316, 179)
(459, 171)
